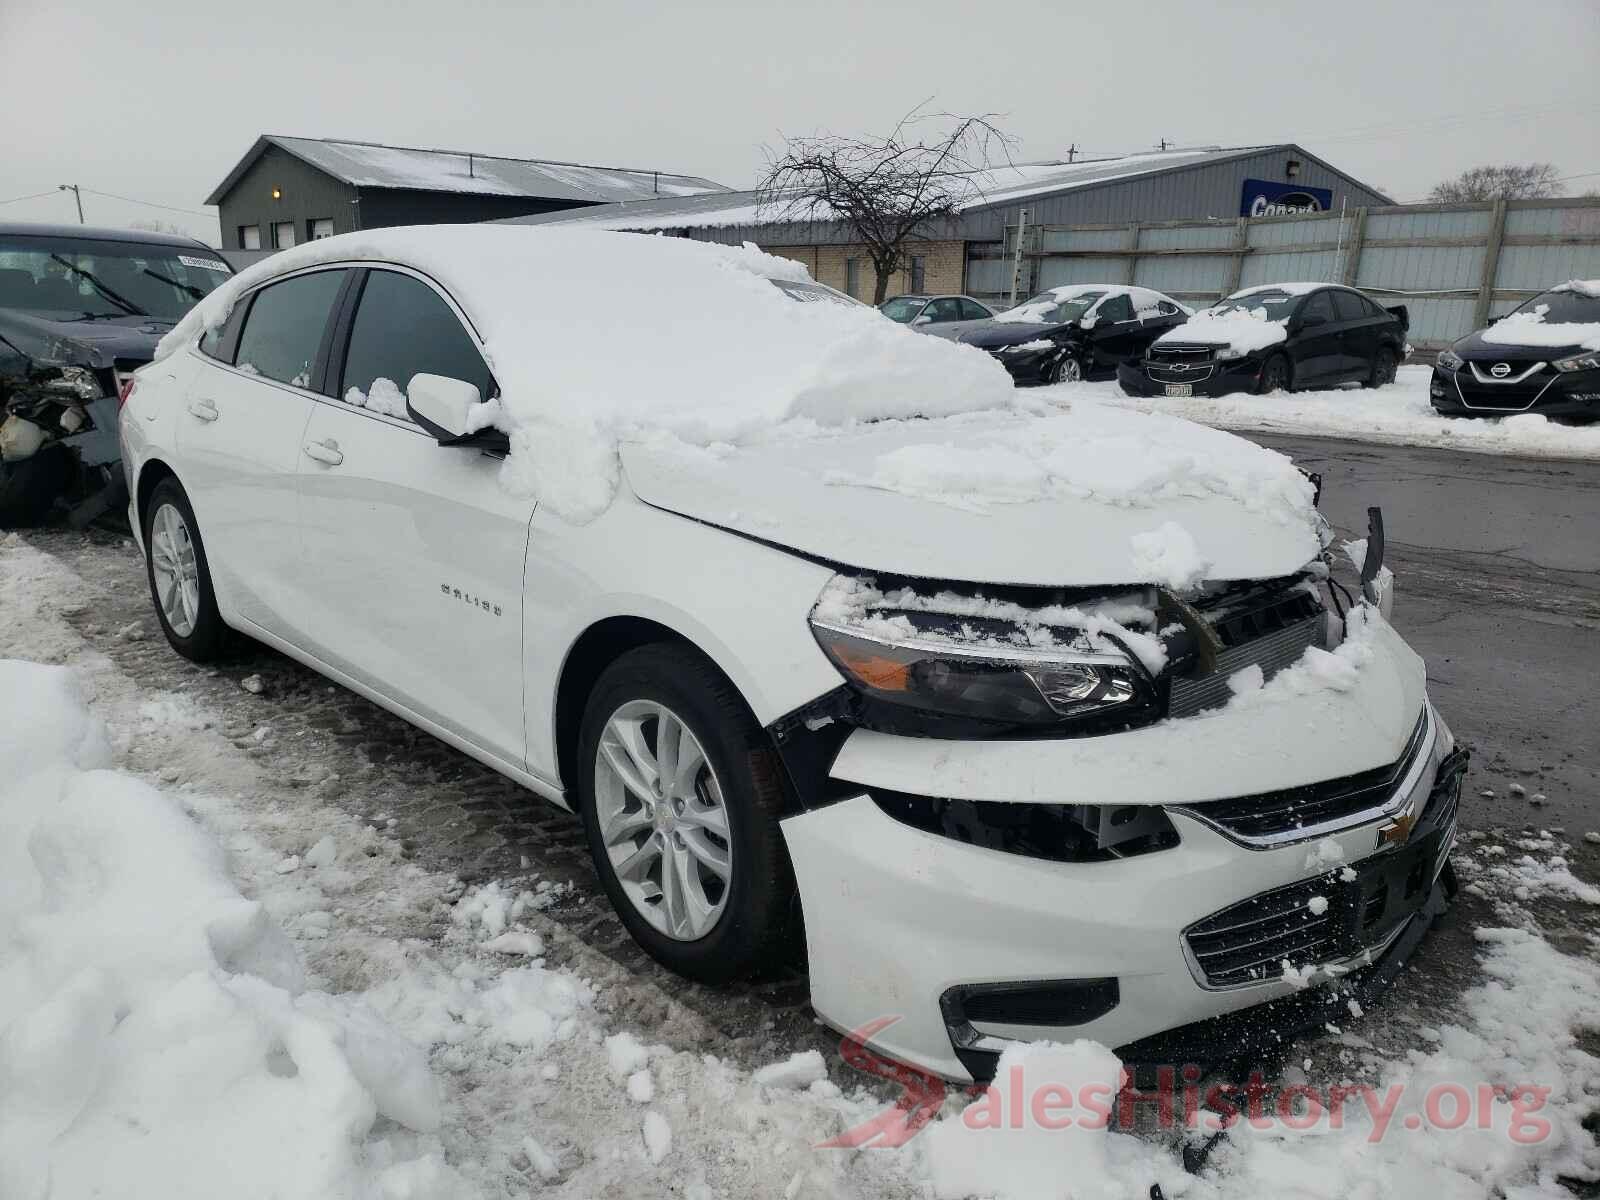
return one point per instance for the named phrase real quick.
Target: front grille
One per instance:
(1179, 354)
(1304, 811)
(1250, 941)
(1178, 372)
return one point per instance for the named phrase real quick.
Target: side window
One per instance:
(971, 310)
(944, 310)
(1166, 309)
(1374, 309)
(1116, 308)
(402, 328)
(1349, 306)
(1318, 309)
(284, 327)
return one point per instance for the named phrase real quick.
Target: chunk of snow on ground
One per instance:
(516, 941)
(657, 1136)
(641, 1087)
(1168, 555)
(797, 1071)
(543, 1163)
(288, 865)
(323, 853)
(252, 684)
(1592, 836)
(626, 1054)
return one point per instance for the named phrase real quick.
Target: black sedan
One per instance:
(1278, 337)
(1083, 331)
(80, 310)
(1544, 358)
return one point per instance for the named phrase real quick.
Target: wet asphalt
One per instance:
(1497, 562)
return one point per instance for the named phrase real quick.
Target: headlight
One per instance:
(1013, 687)
(77, 381)
(1229, 353)
(1578, 362)
(1449, 360)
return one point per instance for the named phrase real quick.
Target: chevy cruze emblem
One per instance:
(1397, 831)
(1500, 370)
(1178, 367)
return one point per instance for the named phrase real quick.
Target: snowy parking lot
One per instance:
(1398, 414)
(404, 968)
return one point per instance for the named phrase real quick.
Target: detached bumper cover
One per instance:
(899, 921)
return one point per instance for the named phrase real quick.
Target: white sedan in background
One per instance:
(1039, 726)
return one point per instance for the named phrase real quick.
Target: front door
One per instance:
(239, 438)
(1117, 335)
(413, 552)
(1316, 349)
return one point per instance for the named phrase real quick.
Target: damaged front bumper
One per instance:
(969, 947)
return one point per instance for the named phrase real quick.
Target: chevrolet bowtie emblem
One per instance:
(1398, 830)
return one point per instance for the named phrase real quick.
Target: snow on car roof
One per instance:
(1584, 287)
(697, 344)
(1034, 308)
(1288, 289)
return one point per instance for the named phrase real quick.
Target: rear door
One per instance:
(238, 440)
(1358, 333)
(1315, 348)
(412, 552)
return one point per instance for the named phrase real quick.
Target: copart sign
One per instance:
(1262, 198)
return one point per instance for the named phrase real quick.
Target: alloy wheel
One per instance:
(175, 569)
(663, 819)
(1069, 370)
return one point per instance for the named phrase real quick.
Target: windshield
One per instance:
(903, 308)
(86, 278)
(1279, 306)
(1047, 309)
(813, 293)
(1565, 308)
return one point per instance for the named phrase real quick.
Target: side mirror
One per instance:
(922, 320)
(441, 406)
(1312, 319)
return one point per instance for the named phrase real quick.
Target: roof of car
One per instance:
(97, 233)
(1292, 289)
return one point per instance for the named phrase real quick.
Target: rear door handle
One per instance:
(203, 409)
(324, 452)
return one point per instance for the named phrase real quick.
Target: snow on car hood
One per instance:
(1245, 329)
(593, 336)
(1091, 496)
(1531, 329)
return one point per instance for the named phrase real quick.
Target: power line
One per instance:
(31, 196)
(150, 204)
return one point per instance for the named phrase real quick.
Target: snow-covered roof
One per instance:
(996, 186)
(371, 165)
(1035, 308)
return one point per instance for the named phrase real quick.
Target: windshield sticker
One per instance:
(206, 264)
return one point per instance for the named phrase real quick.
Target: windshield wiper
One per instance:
(187, 288)
(132, 309)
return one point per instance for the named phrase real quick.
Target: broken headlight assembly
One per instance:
(76, 383)
(1074, 833)
(1001, 673)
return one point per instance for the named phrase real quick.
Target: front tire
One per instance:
(680, 798)
(1068, 369)
(180, 578)
(1275, 376)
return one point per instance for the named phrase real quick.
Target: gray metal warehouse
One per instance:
(287, 190)
(1024, 207)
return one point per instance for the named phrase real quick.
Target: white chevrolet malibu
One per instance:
(1041, 721)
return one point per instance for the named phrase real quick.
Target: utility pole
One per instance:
(1072, 152)
(76, 195)
(1163, 143)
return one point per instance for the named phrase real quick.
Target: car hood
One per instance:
(1475, 345)
(991, 335)
(1093, 496)
(52, 342)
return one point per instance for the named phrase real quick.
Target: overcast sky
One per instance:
(157, 99)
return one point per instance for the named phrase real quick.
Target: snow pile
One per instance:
(625, 336)
(1398, 414)
(1093, 452)
(1244, 329)
(1168, 555)
(155, 1039)
(1529, 328)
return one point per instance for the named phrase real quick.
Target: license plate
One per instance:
(1180, 389)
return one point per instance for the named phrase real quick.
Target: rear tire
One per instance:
(719, 807)
(180, 578)
(1384, 367)
(29, 488)
(1275, 376)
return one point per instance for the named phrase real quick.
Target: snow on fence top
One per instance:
(594, 337)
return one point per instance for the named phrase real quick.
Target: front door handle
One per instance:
(203, 409)
(324, 452)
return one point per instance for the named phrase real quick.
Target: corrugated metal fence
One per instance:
(1454, 265)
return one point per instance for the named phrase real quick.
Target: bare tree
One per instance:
(1513, 181)
(889, 192)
